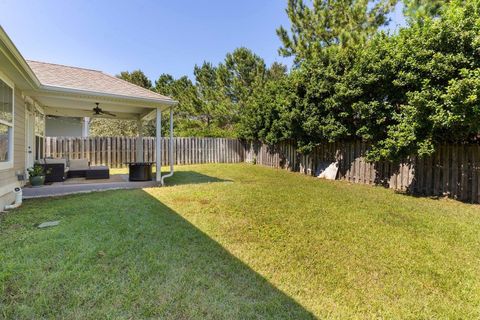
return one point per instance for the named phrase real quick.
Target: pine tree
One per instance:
(419, 9)
(324, 23)
(136, 77)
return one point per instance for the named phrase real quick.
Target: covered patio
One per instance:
(115, 182)
(77, 92)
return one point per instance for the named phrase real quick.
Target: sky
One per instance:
(162, 36)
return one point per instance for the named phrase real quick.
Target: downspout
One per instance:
(18, 199)
(158, 141)
(170, 149)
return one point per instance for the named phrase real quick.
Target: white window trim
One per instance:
(9, 164)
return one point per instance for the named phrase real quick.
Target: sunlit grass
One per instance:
(241, 241)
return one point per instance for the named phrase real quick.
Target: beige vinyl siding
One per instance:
(8, 177)
(19, 149)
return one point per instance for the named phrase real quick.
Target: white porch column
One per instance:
(158, 148)
(85, 127)
(139, 150)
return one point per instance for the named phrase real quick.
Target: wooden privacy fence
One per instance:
(116, 151)
(452, 171)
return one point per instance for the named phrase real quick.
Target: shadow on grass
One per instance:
(131, 256)
(190, 177)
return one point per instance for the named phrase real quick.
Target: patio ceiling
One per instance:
(57, 103)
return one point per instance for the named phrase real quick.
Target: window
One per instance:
(6, 124)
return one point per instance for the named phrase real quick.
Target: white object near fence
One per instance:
(452, 171)
(327, 170)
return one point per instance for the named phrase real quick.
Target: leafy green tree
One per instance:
(181, 89)
(238, 76)
(268, 115)
(188, 108)
(435, 72)
(320, 24)
(101, 127)
(322, 108)
(266, 111)
(418, 9)
(165, 84)
(208, 90)
(136, 77)
(128, 128)
(404, 93)
(242, 69)
(276, 71)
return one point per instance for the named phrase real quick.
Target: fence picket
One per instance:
(453, 170)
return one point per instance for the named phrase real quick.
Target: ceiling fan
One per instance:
(97, 111)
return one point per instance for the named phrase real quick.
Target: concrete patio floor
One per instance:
(81, 185)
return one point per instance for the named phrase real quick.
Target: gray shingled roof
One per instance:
(76, 78)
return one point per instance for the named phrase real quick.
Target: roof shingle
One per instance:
(89, 80)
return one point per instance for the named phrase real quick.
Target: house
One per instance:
(30, 91)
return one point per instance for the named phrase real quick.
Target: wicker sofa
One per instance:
(77, 168)
(80, 168)
(59, 169)
(56, 169)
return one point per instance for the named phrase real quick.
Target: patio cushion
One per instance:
(53, 161)
(78, 164)
(56, 169)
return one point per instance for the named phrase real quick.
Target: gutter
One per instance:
(66, 90)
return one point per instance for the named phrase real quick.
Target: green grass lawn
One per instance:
(242, 241)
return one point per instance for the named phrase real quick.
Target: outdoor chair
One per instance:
(77, 168)
(80, 168)
(56, 170)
